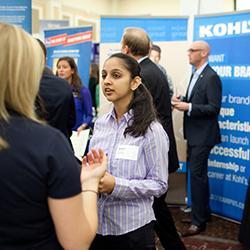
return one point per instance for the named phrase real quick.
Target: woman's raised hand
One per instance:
(94, 166)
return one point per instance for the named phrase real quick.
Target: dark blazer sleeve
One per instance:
(72, 115)
(158, 87)
(212, 95)
(201, 126)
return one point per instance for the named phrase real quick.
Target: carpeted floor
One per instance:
(220, 234)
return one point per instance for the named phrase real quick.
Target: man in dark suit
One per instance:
(56, 98)
(201, 107)
(58, 102)
(136, 43)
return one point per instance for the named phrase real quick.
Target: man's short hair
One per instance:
(156, 48)
(137, 41)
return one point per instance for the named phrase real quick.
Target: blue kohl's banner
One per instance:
(72, 42)
(16, 12)
(229, 162)
(159, 29)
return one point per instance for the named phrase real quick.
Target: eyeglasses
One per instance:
(193, 50)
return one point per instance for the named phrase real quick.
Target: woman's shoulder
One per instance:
(84, 90)
(156, 136)
(34, 129)
(28, 137)
(156, 125)
(156, 128)
(103, 118)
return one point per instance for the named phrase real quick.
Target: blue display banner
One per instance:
(229, 162)
(159, 29)
(16, 12)
(225, 26)
(73, 42)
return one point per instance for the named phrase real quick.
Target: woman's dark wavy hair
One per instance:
(141, 104)
(76, 80)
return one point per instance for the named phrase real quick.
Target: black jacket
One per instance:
(157, 85)
(201, 127)
(58, 101)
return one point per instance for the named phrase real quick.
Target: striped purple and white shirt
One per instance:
(140, 168)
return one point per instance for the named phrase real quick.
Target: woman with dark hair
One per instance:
(67, 69)
(137, 146)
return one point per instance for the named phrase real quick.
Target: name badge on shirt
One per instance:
(127, 152)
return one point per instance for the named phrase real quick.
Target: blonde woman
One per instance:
(46, 201)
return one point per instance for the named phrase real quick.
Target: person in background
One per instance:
(201, 107)
(155, 56)
(93, 82)
(97, 96)
(47, 201)
(136, 43)
(137, 146)
(57, 98)
(67, 69)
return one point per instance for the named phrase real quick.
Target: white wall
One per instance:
(89, 11)
(194, 7)
(92, 6)
(149, 7)
(172, 7)
(243, 5)
(78, 12)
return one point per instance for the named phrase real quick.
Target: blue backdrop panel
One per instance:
(159, 29)
(73, 42)
(229, 162)
(16, 12)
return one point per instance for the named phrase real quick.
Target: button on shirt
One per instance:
(195, 77)
(140, 168)
(192, 83)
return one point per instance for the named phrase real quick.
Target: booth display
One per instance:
(16, 12)
(72, 42)
(229, 167)
(229, 38)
